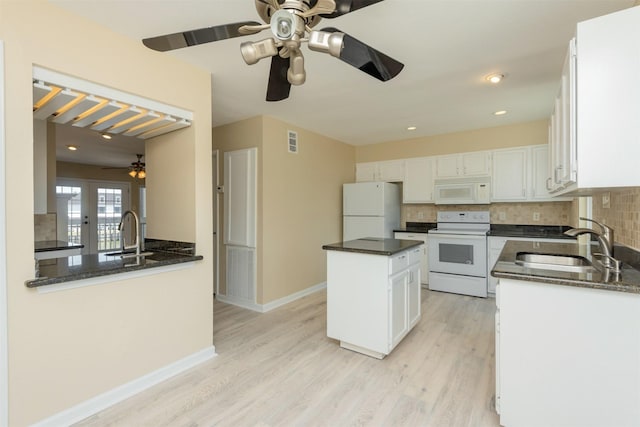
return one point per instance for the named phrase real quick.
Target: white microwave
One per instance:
(463, 191)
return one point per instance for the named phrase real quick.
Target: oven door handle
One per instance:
(435, 237)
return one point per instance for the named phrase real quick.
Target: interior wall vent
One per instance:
(292, 141)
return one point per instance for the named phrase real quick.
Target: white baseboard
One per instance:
(263, 308)
(120, 393)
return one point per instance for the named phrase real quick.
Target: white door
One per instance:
(358, 227)
(363, 199)
(89, 213)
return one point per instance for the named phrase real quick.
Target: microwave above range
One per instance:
(463, 191)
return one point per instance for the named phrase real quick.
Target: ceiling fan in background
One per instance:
(291, 23)
(136, 170)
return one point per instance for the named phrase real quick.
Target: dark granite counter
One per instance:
(79, 267)
(530, 231)
(417, 227)
(628, 280)
(373, 246)
(55, 245)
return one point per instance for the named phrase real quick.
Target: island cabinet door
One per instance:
(398, 308)
(413, 298)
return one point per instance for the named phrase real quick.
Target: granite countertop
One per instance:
(54, 245)
(373, 246)
(628, 280)
(417, 227)
(530, 231)
(79, 267)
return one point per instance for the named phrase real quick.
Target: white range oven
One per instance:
(458, 253)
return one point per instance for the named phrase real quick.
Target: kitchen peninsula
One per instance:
(78, 267)
(373, 293)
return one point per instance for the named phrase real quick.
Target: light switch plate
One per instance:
(606, 200)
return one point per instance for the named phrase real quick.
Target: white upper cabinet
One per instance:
(562, 128)
(418, 180)
(462, 165)
(386, 171)
(606, 108)
(509, 178)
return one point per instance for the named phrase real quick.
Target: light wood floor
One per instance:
(280, 369)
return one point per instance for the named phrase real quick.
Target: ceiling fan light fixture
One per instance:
(142, 174)
(323, 41)
(252, 52)
(283, 24)
(133, 173)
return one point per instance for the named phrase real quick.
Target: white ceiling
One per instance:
(447, 46)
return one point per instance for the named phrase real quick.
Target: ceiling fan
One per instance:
(137, 168)
(291, 23)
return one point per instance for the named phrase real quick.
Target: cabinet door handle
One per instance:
(558, 169)
(524, 192)
(548, 184)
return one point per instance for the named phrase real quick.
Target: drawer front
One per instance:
(399, 262)
(415, 255)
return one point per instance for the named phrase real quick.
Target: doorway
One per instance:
(4, 367)
(216, 240)
(89, 213)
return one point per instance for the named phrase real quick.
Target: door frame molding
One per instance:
(216, 222)
(4, 305)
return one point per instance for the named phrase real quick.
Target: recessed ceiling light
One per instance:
(412, 128)
(500, 113)
(105, 135)
(72, 147)
(495, 78)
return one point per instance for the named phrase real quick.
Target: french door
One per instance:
(89, 213)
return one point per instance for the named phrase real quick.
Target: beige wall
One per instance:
(69, 346)
(302, 207)
(623, 214)
(532, 133)
(299, 201)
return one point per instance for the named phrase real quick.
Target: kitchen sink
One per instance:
(570, 263)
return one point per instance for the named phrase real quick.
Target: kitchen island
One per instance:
(373, 293)
(567, 342)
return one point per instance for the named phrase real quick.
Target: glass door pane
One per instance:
(69, 203)
(109, 212)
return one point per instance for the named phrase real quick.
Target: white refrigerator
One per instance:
(370, 209)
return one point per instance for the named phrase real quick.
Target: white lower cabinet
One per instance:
(424, 257)
(373, 301)
(567, 356)
(495, 244)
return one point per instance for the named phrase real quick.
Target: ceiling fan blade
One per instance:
(279, 86)
(347, 6)
(199, 36)
(367, 59)
(321, 6)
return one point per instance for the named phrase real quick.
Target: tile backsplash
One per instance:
(44, 226)
(547, 213)
(622, 213)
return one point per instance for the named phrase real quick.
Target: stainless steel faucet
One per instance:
(136, 244)
(605, 238)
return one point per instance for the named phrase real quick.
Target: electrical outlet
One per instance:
(606, 200)
(502, 216)
(536, 216)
